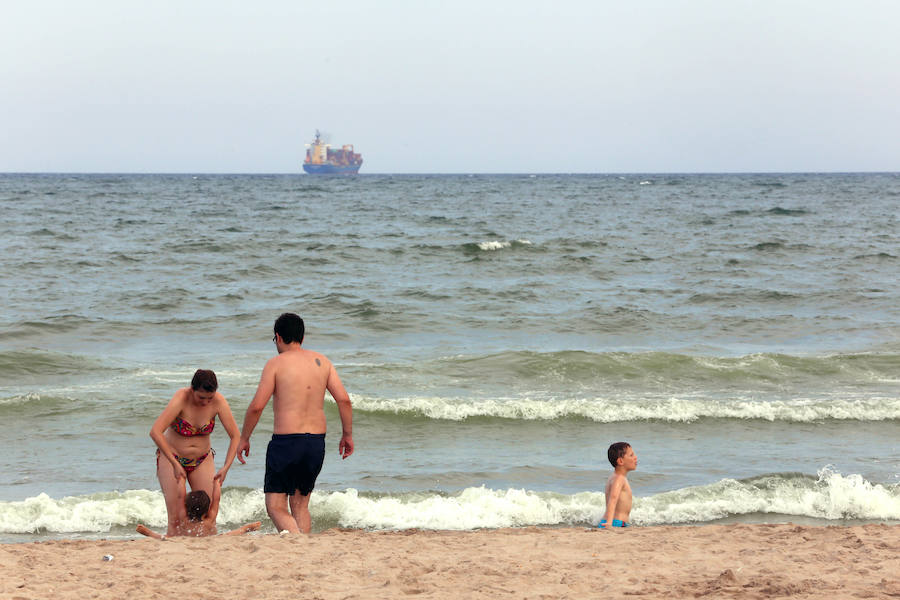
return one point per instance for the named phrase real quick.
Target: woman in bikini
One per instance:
(182, 433)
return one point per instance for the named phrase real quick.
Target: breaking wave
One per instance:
(616, 410)
(828, 496)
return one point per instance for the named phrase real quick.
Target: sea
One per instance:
(496, 334)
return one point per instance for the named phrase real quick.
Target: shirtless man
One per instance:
(618, 490)
(297, 378)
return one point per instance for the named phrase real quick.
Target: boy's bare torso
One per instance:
(623, 505)
(301, 378)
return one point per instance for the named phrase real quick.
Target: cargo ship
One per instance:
(321, 159)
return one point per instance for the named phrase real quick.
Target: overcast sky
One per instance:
(468, 86)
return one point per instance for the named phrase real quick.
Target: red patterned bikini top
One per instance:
(184, 428)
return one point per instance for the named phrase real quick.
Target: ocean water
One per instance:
(496, 334)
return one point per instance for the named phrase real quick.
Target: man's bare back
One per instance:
(301, 378)
(297, 380)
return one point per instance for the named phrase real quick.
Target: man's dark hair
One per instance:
(290, 327)
(617, 451)
(197, 505)
(205, 380)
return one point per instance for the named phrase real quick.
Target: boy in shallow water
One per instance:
(198, 513)
(618, 491)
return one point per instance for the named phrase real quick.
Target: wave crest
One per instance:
(829, 496)
(682, 410)
(101, 512)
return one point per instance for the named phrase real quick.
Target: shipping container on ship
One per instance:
(321, 159)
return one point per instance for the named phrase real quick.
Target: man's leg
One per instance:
(300, 510)
(277, 507)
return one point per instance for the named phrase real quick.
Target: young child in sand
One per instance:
(197, 514)
(618, 491)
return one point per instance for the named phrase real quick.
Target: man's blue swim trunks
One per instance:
(293, 462)
(615, 523)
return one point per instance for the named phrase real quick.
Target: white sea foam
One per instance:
(677, 409)
(103, 511)
(497, 245)
(94, 513)
(20, 399)
(494, 245)
(473, 508)
(831, 496)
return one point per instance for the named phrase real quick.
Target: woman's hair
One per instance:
(290, 327)
(205, 380)
(196, 504)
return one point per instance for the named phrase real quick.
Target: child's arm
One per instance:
(244, 528)
(144, 530)
(214, 501)
(612, 499)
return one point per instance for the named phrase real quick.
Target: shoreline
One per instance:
(738, 560)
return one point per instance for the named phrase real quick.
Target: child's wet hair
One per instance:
(617, 451)
(197, 504)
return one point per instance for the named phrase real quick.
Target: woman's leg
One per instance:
(169, 485)
(201, 478)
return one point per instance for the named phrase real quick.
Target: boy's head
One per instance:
(290, 327)
(197, 505)
(619, 455)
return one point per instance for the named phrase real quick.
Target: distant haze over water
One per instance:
(496, 334)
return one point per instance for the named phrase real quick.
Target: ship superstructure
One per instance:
(322, 159)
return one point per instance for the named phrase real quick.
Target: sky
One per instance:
(469, 86)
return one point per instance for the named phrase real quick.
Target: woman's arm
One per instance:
(180, 497)
(157, 432)
(231, 426)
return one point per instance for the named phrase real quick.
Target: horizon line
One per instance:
(455, 173)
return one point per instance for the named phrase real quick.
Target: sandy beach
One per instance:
(717, 561)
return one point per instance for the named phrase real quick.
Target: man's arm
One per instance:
(264, 392)
(345, 409)
(227, 419)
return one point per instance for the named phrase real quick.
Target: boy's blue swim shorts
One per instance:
(615, 523)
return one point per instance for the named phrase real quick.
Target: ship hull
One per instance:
(331, 169)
